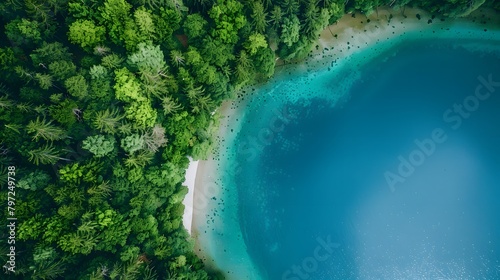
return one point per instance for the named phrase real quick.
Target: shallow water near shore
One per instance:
(386, 173)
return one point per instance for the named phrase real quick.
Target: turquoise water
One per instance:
(394, 178)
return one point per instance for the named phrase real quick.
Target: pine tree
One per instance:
(259, 15)
(177, 58)
(155, 138)
(46, 154)
(107, 121)
(45, 130)
(170, 105)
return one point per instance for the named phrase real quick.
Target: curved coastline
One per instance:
(357, 43)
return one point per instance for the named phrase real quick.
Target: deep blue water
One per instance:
(320, 195)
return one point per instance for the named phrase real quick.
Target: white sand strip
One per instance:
(189, 181)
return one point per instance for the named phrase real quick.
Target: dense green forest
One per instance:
(101, 102)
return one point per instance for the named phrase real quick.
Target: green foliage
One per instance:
(141, 114)
(54, 227)
(170, 105)
(23, 31)
(86, 34)
(50, 52)
(336, 11)
(255, 41)
(290, 30)
(77, 243)
(216, 52)
(132, 143)
(145, 24)
(228, 18)
(42, 129)
(275, 17)
(166, 22)
(195, 26)
(115, 15)
(148, 60)
(127, 88)
(107, 121)
(71, 173)
(7, 58)
(35, 180)
(139, 160)
(265, 60)
(48, 270)
(44, 254)
(451, 8)
(66, 112)
(154, 138)
(77, 86)
(112, 61)
(258, 16)
(62, 69)
(32, 228)
(98, 72)
(99, 145)
(130, 253)
(44, 80)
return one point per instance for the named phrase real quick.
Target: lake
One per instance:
(388, 172)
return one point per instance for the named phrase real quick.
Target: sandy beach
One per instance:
(189, 182)
(337, 43)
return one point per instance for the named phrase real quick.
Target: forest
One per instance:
(102, 102)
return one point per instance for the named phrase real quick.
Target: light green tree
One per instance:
(290, 7)
(141, 114)
(139, 160)
(99, 145)
(77, 243)
(44, 80)
(144, 21)
(254, 42)
(112, 61)
(148, 60)
(98, 72)
(290, 30)
(115, 16)
(127, 88)
(276, 17)
(86, 34)
(132, 143)
(228, 18)
(7, 58)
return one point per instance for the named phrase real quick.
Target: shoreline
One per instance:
(354, 35)
(189, 182)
